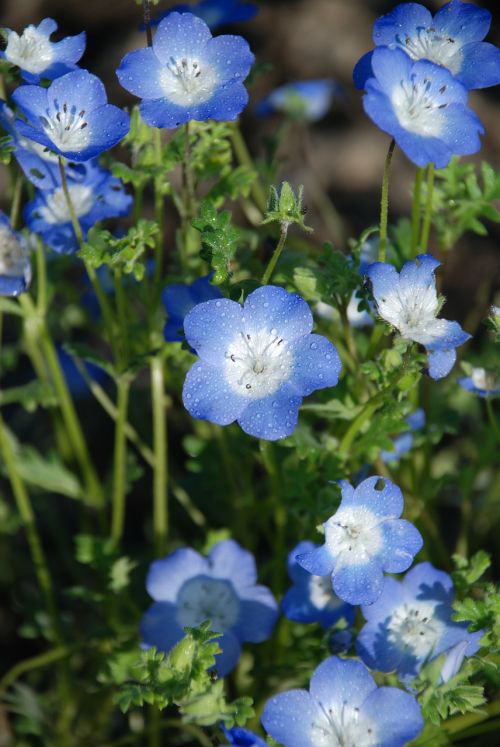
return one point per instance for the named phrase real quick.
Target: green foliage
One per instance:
(219, 239)
(440, 700)
(126, 253)
(332, 280)
(285, 207)
(112, 569)
(31, 396)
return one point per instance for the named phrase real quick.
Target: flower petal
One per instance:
(316, 364)
(271, 307)
(272, 417)
(207, 395)
(166, 576)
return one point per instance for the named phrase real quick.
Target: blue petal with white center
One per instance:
(37, 57)
(71, 117)
(343, 706)
(216, 13)
(482, 382)
(408, 301)
(188, 589)
(257, 362)
(411, 624)
(302, 99)
(178, 300)
(422, 107)
(188, 74)
(364, 538)
(15, 267)
(453, 39)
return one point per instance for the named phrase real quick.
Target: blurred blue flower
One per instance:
(311, 598)
(422, 107)
(178, 300)
(257, 362)
(481, 382)
(364, 538)
(343, 706)
(453, 38)
(15, 267)
(215, 13)
(74, 379)
(404, 441)
(239, 737)
(37, 57)
(411, 623)
(408, 301)
(302, 99)
(71, 117)
(189, 589)
(187, 74)
(95, 196)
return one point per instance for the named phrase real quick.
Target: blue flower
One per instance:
(38, 57)
(409, 302)
(187, 74)
(422, 107)
(96, 195)
(453, 38)
(189, 589)
(216, 13)
(71, 117)
(344, 706)
(311, 598)
(15, 268)
(411, 623)
(404, 442)
(239, 737)
(481, 382)
(364, 538)
(256, 362)
(303, 99)
(178, 300)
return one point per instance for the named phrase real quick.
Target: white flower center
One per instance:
(412, 310)
(67, 128)
(55, 211)
(415, 628)
(186, 82)
(257, 364)
(353, 536)
(12, 256)
(483, 379)
(321, 593)
(417, 109)
(343, 726)
(204, 598)
(31, 51)
(429, 44)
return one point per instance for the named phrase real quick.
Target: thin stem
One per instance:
(276, 255)
(415, 210)
(491, 417)
(122, 315)
(119, 461)
(146, 12)
(41, 278)
(16, 200)
(160, 447)
(384, 203)
(245, 159)
(426, 223)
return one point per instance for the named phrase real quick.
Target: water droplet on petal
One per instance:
(313, 345)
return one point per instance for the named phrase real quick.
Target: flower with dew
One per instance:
(422, 107)
(453, 38)
(239, 737)
(178, 300)
(187, 74)
(364, 538)
(342, 708)
(189, 589)
(71, 117)
(303, 99)
(37, 57)
(403, 443)
(411, 624)
(216, 13)
(481, 382)
(409, 302)
(311, 598)
(15, 267)
(95, 195)
(257, 361)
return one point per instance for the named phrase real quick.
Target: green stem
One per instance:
(119, 461)
(146, 13)
(16, 200)
(415, 210)
(276, 255)
(426, 223)
(160, 447)
(122, 316)
(491, 417)
(41, 278)
(245, 159)
(34, 662)
(384, 203)
(159, 208)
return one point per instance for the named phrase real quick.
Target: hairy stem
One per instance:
(384, 203)
(415, 210)
(119, 461)
(160, 448)
(276, 255)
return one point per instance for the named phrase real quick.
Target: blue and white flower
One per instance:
(302, 99)
(343, 708)
(178, 300)
(96, 195)
(187, 74)
(422, 107)
(481, 382)
(311, 598)
(411, 623)
(364, 538)
(72, 116)
(453, 38)
(257, 362)
(216, 13)
(403, 443)
(15, 268)
(408, 301)
(37, 57)
(239, 737)
(189, 589)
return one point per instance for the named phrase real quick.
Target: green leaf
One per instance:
(218, 238)
(119, 576)
(31, 396)
(126, 253)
